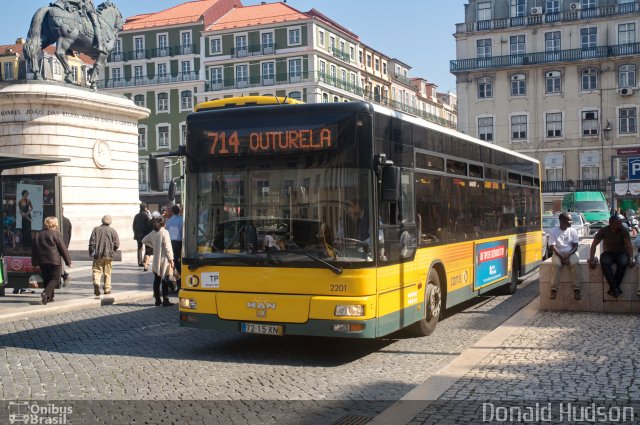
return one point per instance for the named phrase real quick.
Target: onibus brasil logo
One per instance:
(38, 413)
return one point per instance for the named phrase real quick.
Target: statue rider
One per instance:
(90, 11)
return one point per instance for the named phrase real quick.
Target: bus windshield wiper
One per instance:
(335, 269)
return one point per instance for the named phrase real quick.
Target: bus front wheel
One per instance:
(433, 306)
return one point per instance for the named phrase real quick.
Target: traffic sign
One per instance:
(634, 168)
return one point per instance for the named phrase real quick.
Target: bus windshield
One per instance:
(279, 216)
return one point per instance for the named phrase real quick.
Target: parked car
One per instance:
(549, 221)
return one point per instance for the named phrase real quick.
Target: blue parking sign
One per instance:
(634, 168)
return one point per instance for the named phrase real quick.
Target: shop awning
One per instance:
(9, 161)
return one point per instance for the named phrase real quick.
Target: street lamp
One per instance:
(607, 131)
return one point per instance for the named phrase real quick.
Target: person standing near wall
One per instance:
(160, 241)
(141, 227)
(66, 237)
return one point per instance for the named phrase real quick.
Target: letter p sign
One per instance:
(634, 168)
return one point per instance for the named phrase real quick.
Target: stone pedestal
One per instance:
(97, 132)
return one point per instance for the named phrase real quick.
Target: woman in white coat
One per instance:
(160, 241)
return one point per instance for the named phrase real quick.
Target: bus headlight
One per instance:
(188, 303)
(349, 310)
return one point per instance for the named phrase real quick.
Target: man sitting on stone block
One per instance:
(563, 241)
(617, 249)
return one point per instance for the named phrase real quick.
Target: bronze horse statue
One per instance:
(71, 30)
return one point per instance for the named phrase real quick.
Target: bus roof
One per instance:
(428, 124)
(234, 102)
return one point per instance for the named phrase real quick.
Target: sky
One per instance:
(417, 32)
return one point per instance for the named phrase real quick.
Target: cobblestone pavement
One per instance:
(556, 359)
(137, 351)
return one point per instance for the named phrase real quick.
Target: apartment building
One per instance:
(156, 62)
(556, 80)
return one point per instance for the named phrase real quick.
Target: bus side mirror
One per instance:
(391, 184)
(156, 174)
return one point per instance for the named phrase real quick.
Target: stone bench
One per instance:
(593, 288)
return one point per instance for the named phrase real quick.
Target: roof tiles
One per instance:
(185, 13)
(260, 14)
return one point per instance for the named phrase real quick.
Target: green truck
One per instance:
(593, 205)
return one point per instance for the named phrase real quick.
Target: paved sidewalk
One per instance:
(562, 366)
(128, 283)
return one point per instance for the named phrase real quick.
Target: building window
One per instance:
(368, 60)
(554, 174)
(552, 41)
(376, 64)
(163, 136)
(294, 36)
(321, 38)
(186, 99)
(138, 99)
(484, 48)
(626, 33)
(137, 72)
(518, 85)
(216, 45)
(589, 123)
(142, 175)
(590, 173)
(628, 120)
(554, 124)
(186, 68)
(267, 43)
(517, 45)
(553, 82)
(626, 6)
(215, 75)
(163, 102)
(588, 37)
(589, 79)
(360, 56)
(588, 4)
(484, 11)
(485, 129)
(116, 73)
(295, 68)
(142, 138)
(162, 70)
(352, 53)
(627, 76)
(138, 43)
(163, 45)
(241, 46)
(185, 37)
(384, 68)
(268, 73)
(242, 75)
(325, 98)
(517, 8)
(333, 72)
(552, 6)
(295, 95)
(183, 134)
(518, 127)
(485, 88)
(332, 42)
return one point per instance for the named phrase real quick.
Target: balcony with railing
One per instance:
(571, 186)
(401, 78)
(549, 17)
(145, 80)
(343, 56)
(253, 50)
(153, 53)
(570, 55)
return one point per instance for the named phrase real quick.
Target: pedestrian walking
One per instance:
(563, 241)
(174, 227)
(617, 249)
(160, 241)
(103, 244)
(66, 237)
(141, 227)
(48, 250)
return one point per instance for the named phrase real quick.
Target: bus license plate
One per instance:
(256, 328)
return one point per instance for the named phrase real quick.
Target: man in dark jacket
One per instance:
(47, 251)
(141, 227)
(103, 244)
(66, 237)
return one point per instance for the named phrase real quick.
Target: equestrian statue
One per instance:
(74, 26)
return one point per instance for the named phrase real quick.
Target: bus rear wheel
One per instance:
(511, 287)
(433, 307)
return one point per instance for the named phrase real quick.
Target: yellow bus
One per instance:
(346, 219)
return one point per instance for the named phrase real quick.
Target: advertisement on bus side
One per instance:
(490, 262)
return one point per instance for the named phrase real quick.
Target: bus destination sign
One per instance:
(270, 142)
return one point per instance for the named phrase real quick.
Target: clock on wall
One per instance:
(101, 154)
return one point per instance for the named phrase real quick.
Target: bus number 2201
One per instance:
(220, 145)
(338, 288)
